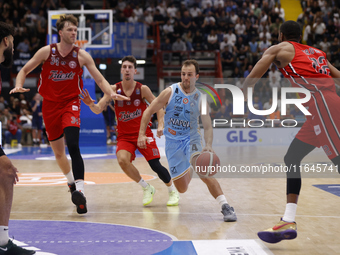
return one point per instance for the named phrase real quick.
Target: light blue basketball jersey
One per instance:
(181, 114)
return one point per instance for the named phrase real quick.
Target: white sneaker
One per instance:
(173, 198)
(148, 193)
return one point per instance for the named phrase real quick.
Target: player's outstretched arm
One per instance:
(260, 68)
(96, 108)
(156, 105)
(147, 94)
(86, 60)
(39, 57)
(208, 131)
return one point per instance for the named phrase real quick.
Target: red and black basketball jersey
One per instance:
(129, 113)
(309, 69)
(60, 77)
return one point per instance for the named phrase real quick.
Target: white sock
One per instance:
(80, 185)
(4, 235)
(69, 177)
(221, 200)
(290, 212)
(143, 183)
(172, 187)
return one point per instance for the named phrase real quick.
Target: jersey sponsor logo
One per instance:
(137, 91)
(317, 130)
(176, 91)
(196, 96)
(128, 103)
(53, 50)
(72, 64)
(63, 63)
(119, 91)
(136, 102)
(173, 170)
(74, 108)
(185, 100)
(176, 114)
(178, 108)
(180, 123)
(126, 116)
(178, 99)
(60, 76)
(173, 132)
(74, 54)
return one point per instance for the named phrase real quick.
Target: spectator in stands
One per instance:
(254, 50)
(240, 27)
(319, 29)
(335, 50)
(15, 106)
(186, 22)
(168, 29)
(212, 41)
(227, 59)
(265, 34)
(167, 46)
(24, 46)
(13, 131)
(198, 42)
(179, 47)
(247, 72)
(3, 104)
(188, 37)
(37, 120)
(325, 46)
(241, 50)
(231, 38)
(280, 11)
(274, 77)
(264, 45)
(307, 34)
(138, 11)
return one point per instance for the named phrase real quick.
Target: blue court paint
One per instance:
(331, 188)
(82, 238)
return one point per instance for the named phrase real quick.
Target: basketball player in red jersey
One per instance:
(60, 85)
(129, 115)
(8, 173)
(305, 67)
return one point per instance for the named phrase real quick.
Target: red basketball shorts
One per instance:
(322, 128)
(130, 144)
(59, 115)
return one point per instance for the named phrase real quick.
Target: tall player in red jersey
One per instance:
(129, 115)
(8, 173)
(305, 67)
(60, 85)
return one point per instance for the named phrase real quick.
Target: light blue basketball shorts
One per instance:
(179, 154)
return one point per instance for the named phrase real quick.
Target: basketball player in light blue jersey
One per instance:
(183, 139)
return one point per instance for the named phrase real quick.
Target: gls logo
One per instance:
(241, 136)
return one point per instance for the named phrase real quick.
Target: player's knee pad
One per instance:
(161, 171)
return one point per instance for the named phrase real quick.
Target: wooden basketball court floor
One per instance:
(42, 205)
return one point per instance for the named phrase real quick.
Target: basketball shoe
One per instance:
(78, 198)
(228, 213)
(72, 187)
(173, 198)
(148, 193)
(12, 249)
(281, 231)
